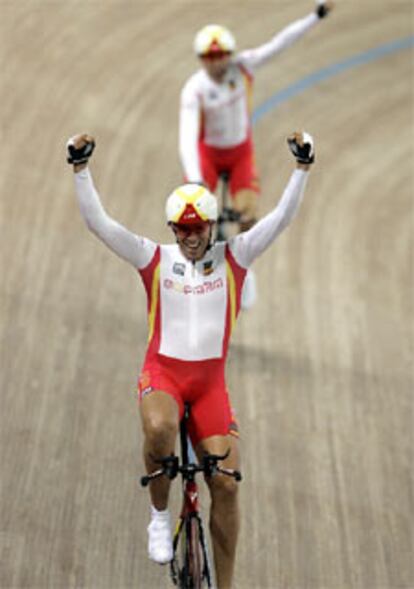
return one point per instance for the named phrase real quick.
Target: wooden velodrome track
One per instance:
(320, 370)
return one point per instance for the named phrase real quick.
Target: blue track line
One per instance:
(329, 72)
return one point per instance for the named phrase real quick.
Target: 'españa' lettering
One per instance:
(199, 289)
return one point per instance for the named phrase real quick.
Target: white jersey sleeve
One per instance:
(252, 58)
(136, 250)
(189, 131)
(249, 245)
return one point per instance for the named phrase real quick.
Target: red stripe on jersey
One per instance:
(150, 278)
(248, 84)
(238, 274)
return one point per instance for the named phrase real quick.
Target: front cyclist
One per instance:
(193, 290)
(215, 130)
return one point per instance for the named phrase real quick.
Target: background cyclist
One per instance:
(214, 128)
(193, 288)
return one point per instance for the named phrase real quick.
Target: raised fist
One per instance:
(79, 149)
(301, 145)
(323, 8)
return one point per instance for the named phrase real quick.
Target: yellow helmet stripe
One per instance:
(217, 32)
(188, 197)
(191, 199)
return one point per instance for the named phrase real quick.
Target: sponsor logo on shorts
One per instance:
(234, 429)
(200, 289)
(146, 391)
(144, 380)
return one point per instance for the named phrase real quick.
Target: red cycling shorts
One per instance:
(238, 160)
(200, 383)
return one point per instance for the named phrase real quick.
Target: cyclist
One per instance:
(193, 289)
(214, 129)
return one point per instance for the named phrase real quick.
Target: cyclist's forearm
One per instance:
(260, 55)
(247, 246)
(124, 243)
(188, 144)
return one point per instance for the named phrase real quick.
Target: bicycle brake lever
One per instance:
(145, 480)
(169, 466)
(209, 467)
(210, 461)
(236, 474)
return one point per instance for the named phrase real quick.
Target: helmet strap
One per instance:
(211, 239)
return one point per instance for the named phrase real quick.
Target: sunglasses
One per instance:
(215, 55)
(184, 230)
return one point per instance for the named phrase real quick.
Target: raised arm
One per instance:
(189, 131)
(136, 250)
(253, 58)
(249, 245)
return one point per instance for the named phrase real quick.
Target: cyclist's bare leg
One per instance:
(160, 419)
(224, 514)
(245, 203)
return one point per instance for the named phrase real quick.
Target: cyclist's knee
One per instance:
(223, 487)
(159, 414)
(245, 202)
(160, 430)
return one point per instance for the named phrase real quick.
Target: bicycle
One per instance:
(227, 214)
(190, 567)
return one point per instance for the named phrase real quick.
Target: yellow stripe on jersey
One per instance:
(231, 281)
(154, 301)
(249, 92)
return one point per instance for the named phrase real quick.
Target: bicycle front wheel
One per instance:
(193, 572)
(195, 553)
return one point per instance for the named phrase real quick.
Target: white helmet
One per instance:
(191, 203)
(214, 38)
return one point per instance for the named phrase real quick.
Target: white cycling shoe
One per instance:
(160, 548)
(249, 291)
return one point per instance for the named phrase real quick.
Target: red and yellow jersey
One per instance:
(192, 306)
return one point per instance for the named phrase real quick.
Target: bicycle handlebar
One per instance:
(229, 215)
(170, 468)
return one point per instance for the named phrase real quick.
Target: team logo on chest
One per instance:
(179, 268)
(208, 268)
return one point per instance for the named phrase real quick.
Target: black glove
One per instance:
(304, 153)
(322, 10)
(80, 155)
